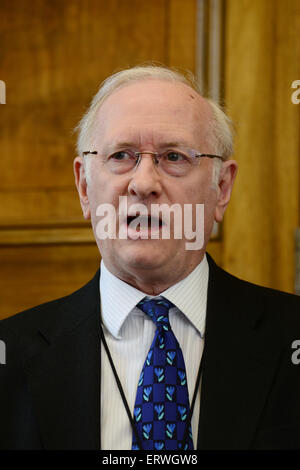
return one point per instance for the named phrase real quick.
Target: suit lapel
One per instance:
(64, 378)
(239, 363)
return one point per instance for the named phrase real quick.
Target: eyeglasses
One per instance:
(174, 162)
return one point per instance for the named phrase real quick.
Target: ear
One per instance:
(81, 185)
(227, 176)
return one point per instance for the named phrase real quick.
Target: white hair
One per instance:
(221, 127)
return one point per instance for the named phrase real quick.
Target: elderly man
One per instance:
(162, 349)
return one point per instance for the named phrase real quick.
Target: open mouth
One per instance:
(140, 222)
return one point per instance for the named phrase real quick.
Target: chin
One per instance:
(143, 256)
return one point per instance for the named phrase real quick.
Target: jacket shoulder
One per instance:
(270, 306)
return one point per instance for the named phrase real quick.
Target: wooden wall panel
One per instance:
(287, 154)
(262, 60)
(33, 274)
(53, 56)
(182, 34)
(249, 92)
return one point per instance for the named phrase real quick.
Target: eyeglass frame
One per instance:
(154, 154)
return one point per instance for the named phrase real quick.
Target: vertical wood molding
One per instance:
(208, 53)
(201, 45)
(215, 72)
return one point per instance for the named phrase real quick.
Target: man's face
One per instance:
(149, 115)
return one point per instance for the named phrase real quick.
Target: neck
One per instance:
(153, 283)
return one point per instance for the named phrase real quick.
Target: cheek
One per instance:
(102, 188)
(105, 190)
(203, 192)
(199, 193)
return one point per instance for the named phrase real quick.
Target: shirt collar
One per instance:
(189, 295)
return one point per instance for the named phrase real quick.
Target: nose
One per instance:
(145, 181)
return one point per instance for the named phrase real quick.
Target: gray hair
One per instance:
(221, 126)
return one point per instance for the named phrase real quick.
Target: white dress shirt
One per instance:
(129, 334)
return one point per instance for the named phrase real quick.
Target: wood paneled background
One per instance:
(53, 57)
(262, 59)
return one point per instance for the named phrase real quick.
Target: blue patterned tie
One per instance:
(162, 401)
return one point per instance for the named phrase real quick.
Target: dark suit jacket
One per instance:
(250, 395)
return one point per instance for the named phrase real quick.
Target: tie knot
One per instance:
(158, 311)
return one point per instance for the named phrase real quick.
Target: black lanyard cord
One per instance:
(193, 401)
(120, 387)
(125, 401)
